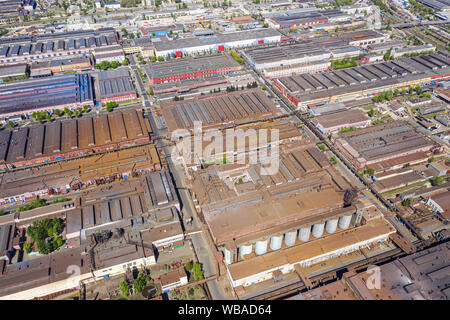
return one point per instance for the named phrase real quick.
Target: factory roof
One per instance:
(357, 79)
(28, 95)
(60, 62)
(309, 250)
(419, 276)
(157, 29)
(219, 109)
(73, 134)
(115, 82)
(304, 187)
(187, 66)
(443, 200)
(288, 52)
(346, 117)
(218, 38)
(384, 140)
(162, 232)
(51, 44)
(13, 70)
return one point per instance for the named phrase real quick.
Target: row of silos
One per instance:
(290, 237)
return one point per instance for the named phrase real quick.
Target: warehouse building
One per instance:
(116, 85)
(287, 260)
(219, 110)
(331, 123)
(45, 94)
(161, 30)
(55, 45)
(110, 54)
(62, 177)
(246, 209)
(60, 140)
(384, 146)
(210, 41)
(363, 81)
(191, 68)
(305, 17)
(419, 276)
(14, 70)
(291, 58)
(127, 227)
(61, 65)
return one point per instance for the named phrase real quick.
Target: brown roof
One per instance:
(310, 249)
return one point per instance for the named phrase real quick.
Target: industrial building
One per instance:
(55, 45)
(110, 54)
(311, 55)
(384, 146)
(14, 70)
(284, 261)
(440, 5)
(45, 94)
(63, 177)
(210, 41)
(61, 65)
(305, 17)
(116, 85)
(117, 226)
(289, 59)
(60, 140)
(219, 110)
(420, 276)
(270, 225)
(331, 123)
(248, 211)
(363, 81)
(161, 30)
(191, 68)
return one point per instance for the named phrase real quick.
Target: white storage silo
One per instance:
(290, 237)
(331, 225)
(344, 222)
(317, 230)
(261, 246)
(245, 249)
(303, 233)
(276, 241)
(227, 256)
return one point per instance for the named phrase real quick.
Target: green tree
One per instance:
(406, 202)
(68, 112)
(110, 105)
(48, 116)
(437, 181)
(334, 159)
(57, 112)
(431, 159)
(27, 247)
(11, 124)
(197, 271)
(124, 288)
(371, 113)
(140, 282)
(188, 266)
